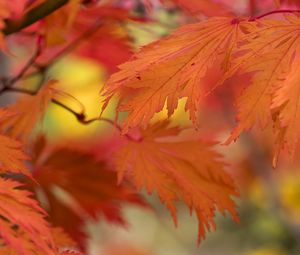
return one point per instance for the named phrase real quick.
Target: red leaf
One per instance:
(22, 224)
(90, 189)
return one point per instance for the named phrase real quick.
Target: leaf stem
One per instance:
(273, 12)
(80, 116)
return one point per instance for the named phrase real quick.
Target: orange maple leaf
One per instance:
(62, 241)
(29, 112)
(268, 53)
(172, 68)
(22, 225)
(188, 170)
(12, 156)
(286, 104)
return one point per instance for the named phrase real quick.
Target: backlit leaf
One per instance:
(22, 225)
(186, 170)
(173, 68)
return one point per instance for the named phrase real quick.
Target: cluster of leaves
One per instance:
(71, 182)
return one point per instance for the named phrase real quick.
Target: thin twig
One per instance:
(80, 116)
(273, 12)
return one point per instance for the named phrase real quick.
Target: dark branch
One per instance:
(33, 15)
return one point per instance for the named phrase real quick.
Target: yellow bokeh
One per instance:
(83, 80)
(290, 194)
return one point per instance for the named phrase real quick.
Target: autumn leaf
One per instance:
(173, 68)
(63, 245)
(286, 104)
(12, 156)
(269, 53)
(90, 189)
(29, 112)
(188, 170)
(22, 226)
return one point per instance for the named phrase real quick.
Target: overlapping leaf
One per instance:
(268, 53)
(286, 104)
(22, 226)
(91, 188)
(172, 68)
(12, 156)
(187, 170)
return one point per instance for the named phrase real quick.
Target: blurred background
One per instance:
(269, 203)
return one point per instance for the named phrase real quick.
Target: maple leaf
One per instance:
(188, 170)
(29, 112)
(172, 68)
(268, 53)
(286, 104)
(22, 226)
(63, 245)
(89, 185)
(12, 156)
